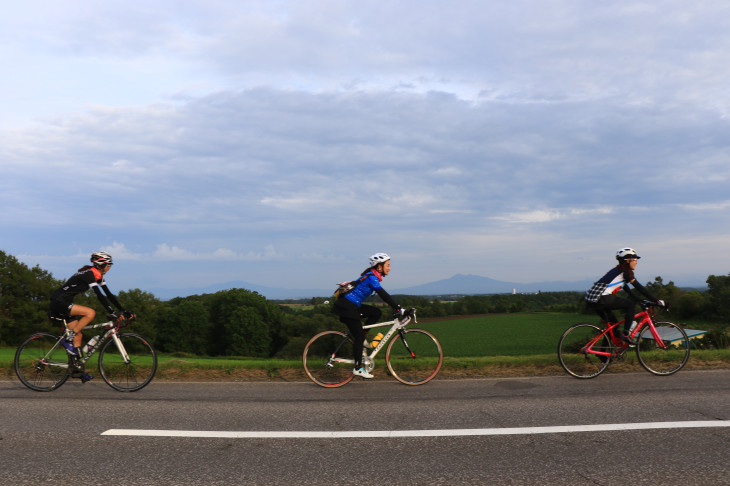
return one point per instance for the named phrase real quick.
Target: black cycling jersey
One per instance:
(79, 283)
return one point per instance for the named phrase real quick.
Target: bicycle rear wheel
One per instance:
(132, 374)
(38, 367)
(665, 360)
(414, 357)
(572, 355)
(328, 359)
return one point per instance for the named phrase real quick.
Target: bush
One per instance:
(713, 339)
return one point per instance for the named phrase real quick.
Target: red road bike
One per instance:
(585, 350)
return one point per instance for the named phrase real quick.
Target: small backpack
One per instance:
(345, 287)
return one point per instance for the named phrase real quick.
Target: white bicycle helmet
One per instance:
(625, 253)
(101, 259)
(378, 258)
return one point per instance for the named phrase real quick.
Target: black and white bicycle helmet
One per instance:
(625, 253)
(101, 259)
(378, 258)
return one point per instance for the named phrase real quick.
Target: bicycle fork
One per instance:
(405, 343)
(120, 346)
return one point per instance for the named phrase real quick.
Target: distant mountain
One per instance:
(458, 284)
(474, 285)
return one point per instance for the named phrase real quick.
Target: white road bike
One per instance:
(126, 361)
(413, 356)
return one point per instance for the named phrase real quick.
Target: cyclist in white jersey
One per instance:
(602, 297)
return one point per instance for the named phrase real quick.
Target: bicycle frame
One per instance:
(112, 331)
(642, 319)
(395, 326)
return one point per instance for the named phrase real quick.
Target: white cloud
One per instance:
(285, 139)
(175, 253)
(708, 206)
(549, 215)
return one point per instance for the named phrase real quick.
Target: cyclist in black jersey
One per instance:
(602, 298)
(87, 277)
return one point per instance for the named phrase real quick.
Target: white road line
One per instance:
(335, 434)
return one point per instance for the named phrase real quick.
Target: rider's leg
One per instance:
(608, 303)
(358, 336)
(87, 315)
(630, 312)
(370, 313)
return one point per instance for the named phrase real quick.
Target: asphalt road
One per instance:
(56, 437)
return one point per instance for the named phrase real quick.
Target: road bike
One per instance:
(413, 356)
(585, 350)
(126, 361)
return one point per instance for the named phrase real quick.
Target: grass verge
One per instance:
(183, 368)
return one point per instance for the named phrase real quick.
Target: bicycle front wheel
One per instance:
(667, 355)
(574, 356)
(41, 363)
(130, 373)
(414, 357)
(328, 359)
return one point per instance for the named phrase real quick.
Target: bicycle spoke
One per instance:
(667, 355)
(414, 357)
(328, 359)
(37, 367)
(130, 374)
(576, 357)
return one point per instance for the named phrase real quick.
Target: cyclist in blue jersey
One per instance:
(602, 297)
(350, 308)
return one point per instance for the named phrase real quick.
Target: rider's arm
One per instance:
(112, 297)
(641, 289)
(101, 298)
(385, 296)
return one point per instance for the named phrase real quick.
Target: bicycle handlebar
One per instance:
(408, 313)
(122, 320)
(647, 305)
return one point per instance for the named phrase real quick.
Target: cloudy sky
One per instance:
(283, 142)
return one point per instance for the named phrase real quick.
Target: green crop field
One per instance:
(503, 334)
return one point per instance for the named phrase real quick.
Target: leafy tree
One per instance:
(185, 328)
(260, 325)
(690, 304)
(718, 290)
(297, 327)
(247, 334)
(437, 309)
(669, 293)
(149, 309)
(24, 296)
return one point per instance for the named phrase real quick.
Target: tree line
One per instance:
(240, 322)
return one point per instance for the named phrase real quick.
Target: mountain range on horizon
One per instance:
(459, 284)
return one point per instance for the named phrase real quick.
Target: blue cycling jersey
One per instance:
(364, 289)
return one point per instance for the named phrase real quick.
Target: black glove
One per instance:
(113, 316)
